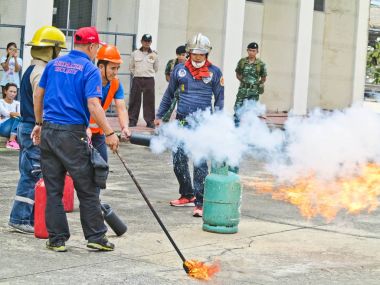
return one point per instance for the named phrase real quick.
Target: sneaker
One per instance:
(183, 202)
(198, 211)
(102, 245)
(22, 228)
(58, 246)
(12, 145)
(150, 125)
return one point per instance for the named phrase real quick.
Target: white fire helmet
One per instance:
(199, 44)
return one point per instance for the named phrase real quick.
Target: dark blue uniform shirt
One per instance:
(26, 97)
(194, 94)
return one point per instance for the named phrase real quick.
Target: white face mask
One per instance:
(198, 64)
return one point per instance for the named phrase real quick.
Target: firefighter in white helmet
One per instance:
(198, 81)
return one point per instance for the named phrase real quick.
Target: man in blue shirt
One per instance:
(68, 93)
(198, 80)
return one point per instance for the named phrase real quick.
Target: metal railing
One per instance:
(21, 39)
(125, 51)
(125, 48)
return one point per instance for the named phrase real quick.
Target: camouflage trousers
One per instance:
(242, 95)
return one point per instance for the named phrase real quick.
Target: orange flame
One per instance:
(200, 270)
(326, 198)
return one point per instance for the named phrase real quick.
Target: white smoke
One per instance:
(326, 144)
(215, 137)
(330, 144)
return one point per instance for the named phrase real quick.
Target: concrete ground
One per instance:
(274, 245)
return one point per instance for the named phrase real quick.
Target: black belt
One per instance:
(249, 85)
(64, 127)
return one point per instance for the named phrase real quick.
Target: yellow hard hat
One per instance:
(48, 36)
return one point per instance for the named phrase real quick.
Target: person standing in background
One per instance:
(143, 65)
(252, 74)
(12, 65)
(46, 45)
(10, 116)
(181, 58)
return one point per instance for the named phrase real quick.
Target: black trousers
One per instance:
(145, 86)
(182, 172)
(64, 148)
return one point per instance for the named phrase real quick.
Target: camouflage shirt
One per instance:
(251, 72)
(170, 66)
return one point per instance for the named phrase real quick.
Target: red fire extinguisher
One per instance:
(40, 230)
(68, 195)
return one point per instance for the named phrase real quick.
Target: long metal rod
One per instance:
(68, 17)
(151, 208)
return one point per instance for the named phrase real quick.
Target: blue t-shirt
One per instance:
(194, 94)
(118, 95)
(68, 82)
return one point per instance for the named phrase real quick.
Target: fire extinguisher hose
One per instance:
(153, 211)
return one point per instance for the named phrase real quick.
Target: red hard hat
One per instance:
(109, 53)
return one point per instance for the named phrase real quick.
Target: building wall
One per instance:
(314, 98)
(13, 13)
(123, 19)
(333, 48)
(121, 12)
(279, 36)
(208, 18)
(172, 32)
(338, 52)
(272, 24)
(253, 25)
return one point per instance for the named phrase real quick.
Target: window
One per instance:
(319, 5)
(79, 15)
(257, 1)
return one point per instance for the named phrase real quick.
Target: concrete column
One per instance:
(233, 41)
(38, 13)
(360, 56)
(303, 49)
(147, 21)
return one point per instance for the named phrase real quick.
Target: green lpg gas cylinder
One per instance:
(221, 201)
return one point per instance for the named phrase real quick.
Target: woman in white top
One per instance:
(10, 115)
(11, 64)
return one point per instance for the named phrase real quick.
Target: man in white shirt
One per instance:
(143, 66)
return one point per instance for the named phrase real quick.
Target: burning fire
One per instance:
(200, 270)
(326, 198)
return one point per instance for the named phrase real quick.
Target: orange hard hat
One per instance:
(109, 53)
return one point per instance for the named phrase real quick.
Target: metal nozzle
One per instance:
(140, 139)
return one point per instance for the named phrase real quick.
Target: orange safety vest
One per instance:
(111, 93)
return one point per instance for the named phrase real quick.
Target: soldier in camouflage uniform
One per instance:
(181, 58)
(252, 73)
